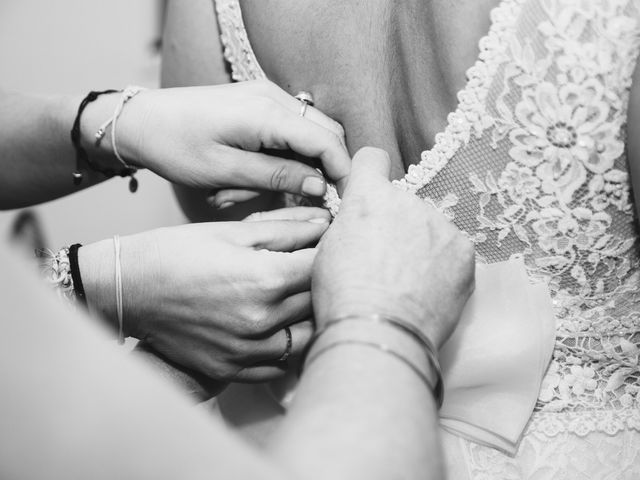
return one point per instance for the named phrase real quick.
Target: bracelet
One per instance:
(81, 153)
(119, 309)
(75, 274)
(56, 269)
(378, 346)
(128, 170)
(437, 386)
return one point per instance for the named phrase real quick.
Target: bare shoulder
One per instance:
(192, 55)
(191, 49)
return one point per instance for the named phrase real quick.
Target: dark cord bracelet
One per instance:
(81, 153)
(75, 274)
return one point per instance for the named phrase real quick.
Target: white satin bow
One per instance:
(494, 362)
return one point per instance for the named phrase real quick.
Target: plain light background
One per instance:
(74, 46)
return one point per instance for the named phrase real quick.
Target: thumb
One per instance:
(263, 171)
(369, 164)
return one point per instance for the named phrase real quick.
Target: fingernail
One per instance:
(313, 186)
(319, 220)
(224, 205)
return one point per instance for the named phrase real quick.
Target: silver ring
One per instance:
(287, 351)
(306, 100)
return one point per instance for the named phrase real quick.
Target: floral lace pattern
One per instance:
(562, 196)
(538, 141)
(564, 457)
(533, 162)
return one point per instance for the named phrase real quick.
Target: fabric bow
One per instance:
(494, 362)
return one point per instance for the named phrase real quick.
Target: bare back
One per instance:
(388, 71)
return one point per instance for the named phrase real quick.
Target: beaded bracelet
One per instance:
(56, 269)
(436, 387)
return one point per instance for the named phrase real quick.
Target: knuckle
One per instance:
(272, 285)
(339, 130)
(254, 324)
(237, 348)
(279, 178)
(254, 217)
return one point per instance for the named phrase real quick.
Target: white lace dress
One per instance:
(533, 162)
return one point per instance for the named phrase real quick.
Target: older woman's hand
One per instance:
(232, 136)
(390, 253)
(215, 297)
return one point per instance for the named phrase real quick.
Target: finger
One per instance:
(370, 160)
(272, 349)
(285, 236)
(262, 373)
(302, 214)
(226, 198)
(293, 132)
(295, 268)
(369, 164)
(292, 309)
(256, 170)
(294, 105)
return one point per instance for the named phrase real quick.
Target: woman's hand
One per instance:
(233, 136)
(390, 253)
(215, 297)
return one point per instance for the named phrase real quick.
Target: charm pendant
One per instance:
(77, 178)
(133, 184)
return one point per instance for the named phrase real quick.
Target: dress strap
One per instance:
(237, 49)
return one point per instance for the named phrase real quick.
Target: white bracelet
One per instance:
(127, 94)
(119, 309)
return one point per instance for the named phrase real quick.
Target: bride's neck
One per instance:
(388, 71)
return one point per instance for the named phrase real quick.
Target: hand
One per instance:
(390, 253)
(227, 136)
(215, 297)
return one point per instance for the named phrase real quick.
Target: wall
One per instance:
(73, 46)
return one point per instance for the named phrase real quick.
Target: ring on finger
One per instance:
(306, 100)
(287, 351)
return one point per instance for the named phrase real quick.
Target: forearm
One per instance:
(37, 157)
(361, 413)
(97, 264)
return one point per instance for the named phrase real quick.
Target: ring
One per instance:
(306, 100)
(287, 350)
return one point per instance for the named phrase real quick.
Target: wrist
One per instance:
(366, 301)
(101, 149)
(97, 268)
(97, 263)
(391, 337)
(140, 265)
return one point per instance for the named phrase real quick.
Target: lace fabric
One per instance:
(533, 163)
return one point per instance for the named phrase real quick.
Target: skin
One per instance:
(109, 416)
(435, 46)
(207, 308)
(335, 42)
